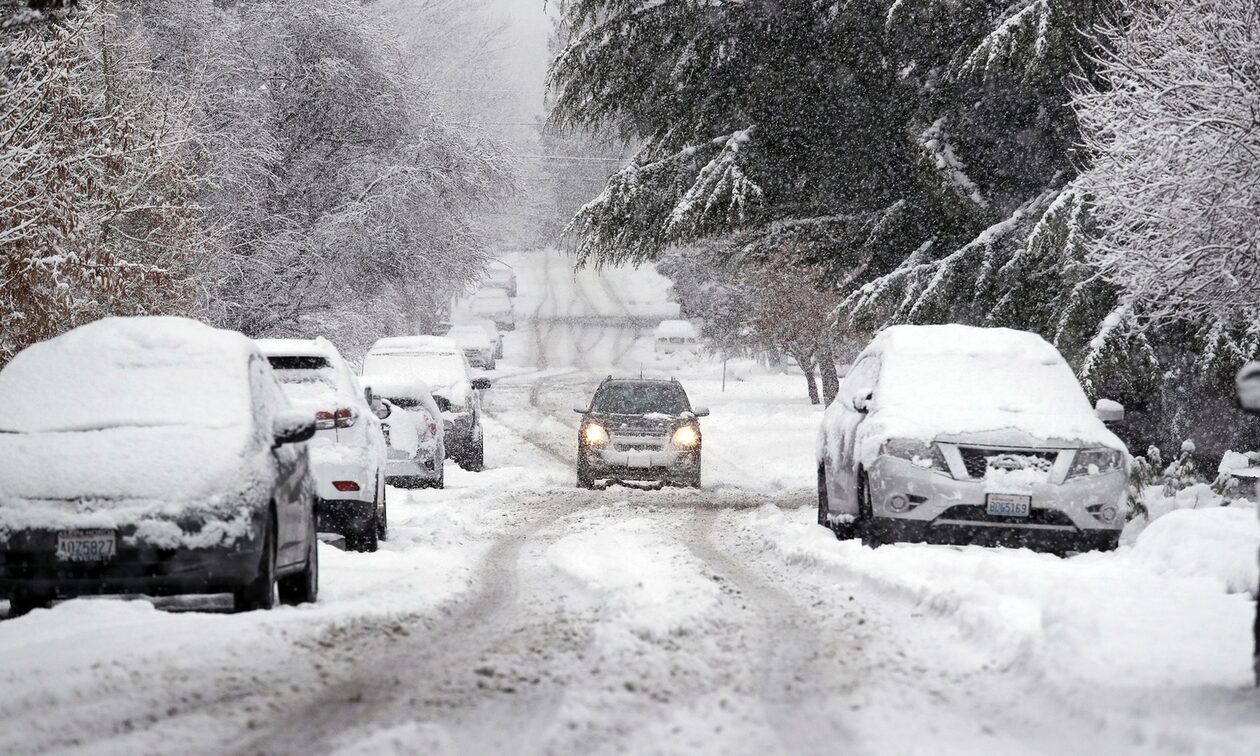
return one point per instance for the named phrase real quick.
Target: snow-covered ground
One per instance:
(514, 613)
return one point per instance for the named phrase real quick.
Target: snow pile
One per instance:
(1218, 543)
(650, 585)
(954, 379)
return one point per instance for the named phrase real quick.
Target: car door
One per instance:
(293, 492)
(858, 386)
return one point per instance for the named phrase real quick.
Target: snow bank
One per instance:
(1219, 544)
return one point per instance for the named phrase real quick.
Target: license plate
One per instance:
(85, 546)
(1008, 505)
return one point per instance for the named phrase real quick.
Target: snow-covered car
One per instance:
(348, 452)
(492, 333)
(494, 304)
(439, 362)
(638, 429)
(954, 434)
(500, 276)
(414, 431)
(155, 456)
(478, 349)
(675, 336)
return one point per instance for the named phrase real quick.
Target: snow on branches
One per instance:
(1175, 140)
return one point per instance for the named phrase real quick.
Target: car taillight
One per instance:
(345, 417)
(345, 485)
(324, 421)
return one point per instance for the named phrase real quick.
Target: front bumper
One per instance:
(664, 464)
(940, 509)
(28, 564)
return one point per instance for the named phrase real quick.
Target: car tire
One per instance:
(1110, 544)
(366, 540)
(382, 522)
(694, 477)
(475, 457)
(585, 476)
(865, 524)
(303, 587)
(22, 602)
(261, 592)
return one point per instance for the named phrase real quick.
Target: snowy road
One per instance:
(514, 613)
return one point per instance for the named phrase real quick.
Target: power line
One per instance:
(572, 157)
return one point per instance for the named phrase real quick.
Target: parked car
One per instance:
(152, 455)
(478, 349)
(348, 451)
(500, 276)
(494, 304)
(953, 434)
(1247, 386)
(439, 362)
(673, 336)
(639, 430)
(492, 332)
(414, 432)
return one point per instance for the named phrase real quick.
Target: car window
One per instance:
(861, 380)
(640, 399)
(303, 369)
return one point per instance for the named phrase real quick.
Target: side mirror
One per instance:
(480, 384)
(1109, 411)
(862, 403)
(580, 409)
(381, 408)
(700, 411)
(1247, 384)
(292, 427)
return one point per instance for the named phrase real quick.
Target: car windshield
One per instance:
(435, 368)
(640, 399)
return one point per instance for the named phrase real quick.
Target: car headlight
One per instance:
(1095, 462)
(686, 436)
(918, 453)
(595, 435)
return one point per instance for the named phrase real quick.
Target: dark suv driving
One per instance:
(639, 430)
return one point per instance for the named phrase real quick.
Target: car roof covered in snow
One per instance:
(315, 394)
(316, 347)
(939, 380)
(419, 343)
(141, 371)
(675, 328)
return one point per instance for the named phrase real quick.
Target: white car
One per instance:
(494, 304)
(500, 276)
(439, 362)
(676, 336)
(348, 451)
(954, 434)
(492, 332)
(156, 456)
(476, 345)
(414, 431)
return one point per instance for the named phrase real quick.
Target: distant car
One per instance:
(494, 304)
(478, 348)
(417, 446)
(492, 332)
(639, 430)
(953, 434)
(156, 456)
(500, 276)
(439, 362)
(676, 336)
(348, 452)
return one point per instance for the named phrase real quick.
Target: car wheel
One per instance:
(475, 459)
(693, 478)
(382, 523)
(585, 476)
(303, 587)
(261, 593)
(22, 602)
(865, 524)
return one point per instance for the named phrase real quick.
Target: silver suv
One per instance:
(639, 430)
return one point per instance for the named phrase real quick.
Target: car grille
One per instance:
(972, 513)
(978, 460)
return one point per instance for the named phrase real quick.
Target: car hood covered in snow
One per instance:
(979, 385)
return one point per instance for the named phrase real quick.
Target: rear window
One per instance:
(303, 369)
(640, 399)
